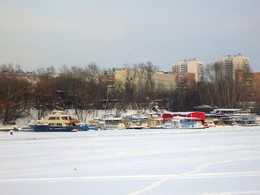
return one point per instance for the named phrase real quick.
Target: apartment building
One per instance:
(255, 86)
(190, 66)
(161, 80)
(165, 80)
(226, 66)
(185, 80)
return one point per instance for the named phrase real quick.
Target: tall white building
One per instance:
(227, 66)
(190, 66)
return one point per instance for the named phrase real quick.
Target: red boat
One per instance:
(199, 115)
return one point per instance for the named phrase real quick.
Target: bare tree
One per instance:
(14, 94)
(44, 91)
(82, 86)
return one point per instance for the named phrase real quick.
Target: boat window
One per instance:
(54, 118)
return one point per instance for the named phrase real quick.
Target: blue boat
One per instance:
(86, 127)
(56, 122)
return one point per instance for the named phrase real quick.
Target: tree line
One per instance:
(82, 88)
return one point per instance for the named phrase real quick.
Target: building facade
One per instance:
(226, 66)
(161, 80)
(250, 82)
(255, 86)
(185, 80)
(190, 66)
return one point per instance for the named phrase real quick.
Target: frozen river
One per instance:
(213, 161)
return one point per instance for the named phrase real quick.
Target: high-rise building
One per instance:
(226, 66)
(190, 66)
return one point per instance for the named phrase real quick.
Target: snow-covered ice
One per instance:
(222, 160)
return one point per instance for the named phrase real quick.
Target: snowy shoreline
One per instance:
(128, 132)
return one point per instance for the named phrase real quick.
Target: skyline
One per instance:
(36, 34)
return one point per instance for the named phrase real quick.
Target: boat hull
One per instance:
(183, 127)
(48, 128)
(176, 124)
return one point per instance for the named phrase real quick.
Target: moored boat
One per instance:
(23, 128)
(199, 116)
(234, 117)
(107, 122)
(183, 123)
(155, 123)
(56, 122)
(134, 121)
(112, 122)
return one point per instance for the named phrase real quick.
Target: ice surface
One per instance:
(213, 161)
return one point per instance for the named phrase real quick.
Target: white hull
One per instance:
(183, 123)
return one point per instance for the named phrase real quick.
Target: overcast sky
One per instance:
(112, 33)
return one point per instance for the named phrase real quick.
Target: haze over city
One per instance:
(114, 33)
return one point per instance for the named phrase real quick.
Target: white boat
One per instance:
(134, 121)
(107, 122)
(235, 117)
(183, 123)
(23, 128)
(111, 122)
